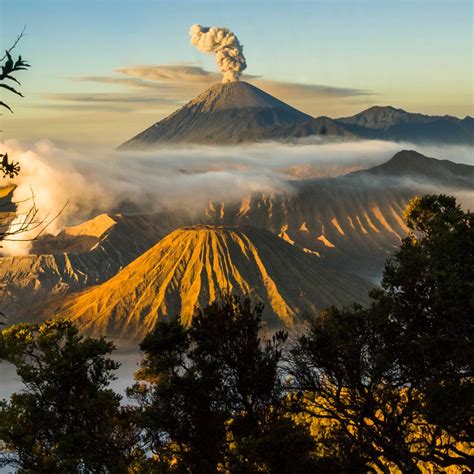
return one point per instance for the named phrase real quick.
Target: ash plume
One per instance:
(221, 41)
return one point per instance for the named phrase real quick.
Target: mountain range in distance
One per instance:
(238, 112)
(328, 234)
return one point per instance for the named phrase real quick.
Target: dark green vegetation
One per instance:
(214, 395)
(385, 388)
(9, 68)
(9, 82)
(66, 415)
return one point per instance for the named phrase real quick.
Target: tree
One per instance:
(9, 68)
(391, 384)
(9, 229)
(66, 417)
(428, 294)
(361, 414)
(210, 395)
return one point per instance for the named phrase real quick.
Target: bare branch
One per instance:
(19, 37)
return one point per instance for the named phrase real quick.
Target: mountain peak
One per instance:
(226, 113)
(380, 117)
(235, 95)
(408, 155)
(383, 108)
(195, 265)
(414, 165)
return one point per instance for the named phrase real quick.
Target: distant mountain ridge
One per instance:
(389, 123)
(238, 112)
(383, 117)
(414, 165)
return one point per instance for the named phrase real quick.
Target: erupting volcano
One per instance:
(230, 112)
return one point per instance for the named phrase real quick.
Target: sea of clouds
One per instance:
(79, 184)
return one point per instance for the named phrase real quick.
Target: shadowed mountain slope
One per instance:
(354, 222)
(194, 265)
(322, 127)
(229, 113)
(410, 164)
(389, 123)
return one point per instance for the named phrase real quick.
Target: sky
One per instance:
(103, 70)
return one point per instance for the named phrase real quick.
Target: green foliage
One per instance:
(394, 381)
(428, 294)
(387, 388)
(66, 415)
(213, 393)
(8, 70)
(346, 377)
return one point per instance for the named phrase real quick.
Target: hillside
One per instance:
(389, 123)
(352, 223)
(226, 113)
(315, 127)
(78, 257)
(413, 165)
(194, 265)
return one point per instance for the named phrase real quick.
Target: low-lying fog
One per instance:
(91, 181)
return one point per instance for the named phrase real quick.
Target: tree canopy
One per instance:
(66, 416)
(394, 380)
(382, 388)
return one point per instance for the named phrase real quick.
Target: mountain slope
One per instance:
(389, 123)
(226, 113)
(410, 164)
(79, 257)
(194, 265)
(321, 126)
(353, 223)
(383, 117)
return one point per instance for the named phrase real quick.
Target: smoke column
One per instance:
(229, 52)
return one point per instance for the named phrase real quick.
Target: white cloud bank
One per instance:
(93, 181)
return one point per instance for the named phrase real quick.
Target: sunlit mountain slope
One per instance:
(352, 223)
(194, 265)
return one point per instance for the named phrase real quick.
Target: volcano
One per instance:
(238, 112)
(194, 266)
(354, 222)
(227, 113)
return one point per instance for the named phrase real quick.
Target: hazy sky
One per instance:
(325, 57)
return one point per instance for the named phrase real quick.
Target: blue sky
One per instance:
(414, 54)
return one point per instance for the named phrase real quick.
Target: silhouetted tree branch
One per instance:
(9, 68)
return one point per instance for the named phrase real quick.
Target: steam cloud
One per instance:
(229, 52)
(180, 177)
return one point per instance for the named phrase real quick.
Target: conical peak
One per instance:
(193, 266)
(235, 95)
(201, 234)
(226, 113)
(206, 228)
